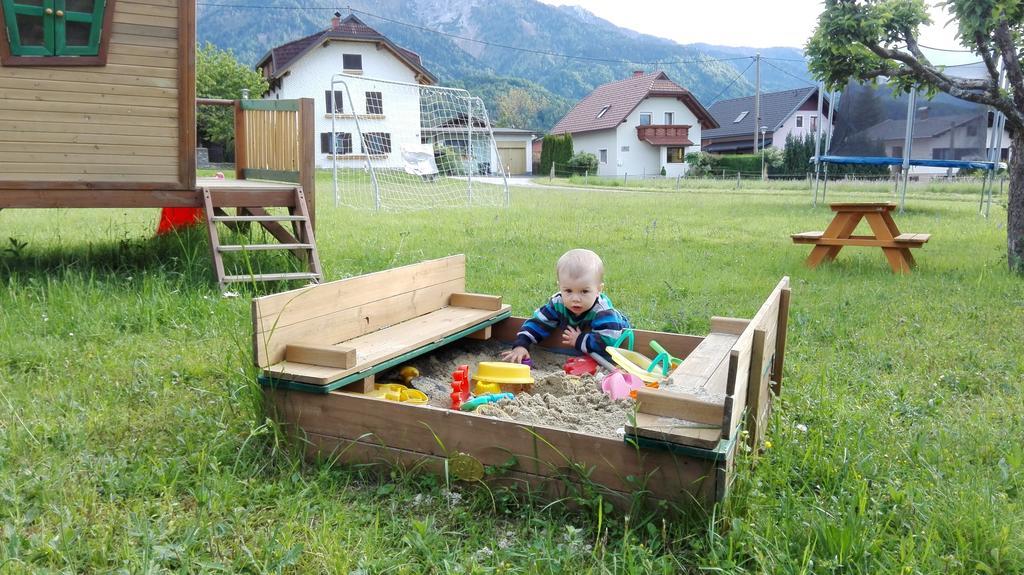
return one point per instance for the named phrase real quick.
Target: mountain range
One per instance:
(556, 53)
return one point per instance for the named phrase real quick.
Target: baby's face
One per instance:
(579, 293)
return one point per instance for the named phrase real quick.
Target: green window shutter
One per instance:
(77, 33)
(29, 27)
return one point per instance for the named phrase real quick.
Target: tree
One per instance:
(555, 150)
(220, 75)
(869, 39)
(517, 108)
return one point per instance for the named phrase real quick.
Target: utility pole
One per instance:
(757, 98)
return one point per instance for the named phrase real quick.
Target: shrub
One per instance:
(700, 163)
(663, 172)
(746, 163)
(448, 160)
(583, 163)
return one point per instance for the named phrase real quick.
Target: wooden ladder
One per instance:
(300, 241)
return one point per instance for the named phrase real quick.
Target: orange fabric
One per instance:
(175, 218)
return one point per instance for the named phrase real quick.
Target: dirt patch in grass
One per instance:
(556, 400)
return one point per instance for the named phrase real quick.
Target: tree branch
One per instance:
(986, 56)
(978, 91)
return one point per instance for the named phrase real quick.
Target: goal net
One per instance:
(400, 146)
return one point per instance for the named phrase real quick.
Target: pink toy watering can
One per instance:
(620, 385)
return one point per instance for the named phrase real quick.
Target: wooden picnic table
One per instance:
(884, 234)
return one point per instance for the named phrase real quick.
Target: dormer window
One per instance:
(742, 115)
(603, 111)
(54, 32)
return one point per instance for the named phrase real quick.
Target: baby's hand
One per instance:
(516, 354)
(570, 335)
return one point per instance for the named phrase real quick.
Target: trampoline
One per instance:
(878, 125)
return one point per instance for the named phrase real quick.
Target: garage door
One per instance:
(513, 156)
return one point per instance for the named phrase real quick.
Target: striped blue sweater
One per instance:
(601, 325)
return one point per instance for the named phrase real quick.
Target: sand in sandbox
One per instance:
(556, 400)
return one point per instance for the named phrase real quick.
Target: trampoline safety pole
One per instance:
(817, 142)
(907, 142)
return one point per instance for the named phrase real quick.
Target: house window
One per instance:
(972, 130)
(645, 119)
(799, 121)
(342, 140)
(376, 143)
(352, 62)
(897, 151)
(460, 145)
(603, 155)
(742, 115)
(669, 116)
(335, 104)
(374, 103)
(53, 28)
(676, 155)
(814, 123)
(603, 111)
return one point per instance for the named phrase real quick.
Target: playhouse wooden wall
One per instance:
(125, 125)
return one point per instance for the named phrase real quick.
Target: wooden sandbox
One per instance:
(319, 348)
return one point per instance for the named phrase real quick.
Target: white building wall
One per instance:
(310, 77)
(789, 127)
(643, 158)
(594, 142)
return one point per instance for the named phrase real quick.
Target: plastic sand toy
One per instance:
(507, 376)
(398, 392)
(580, 365)
(631, 362)
(619, 385)
(484, 399)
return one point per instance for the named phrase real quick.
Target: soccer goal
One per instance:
(400, 146)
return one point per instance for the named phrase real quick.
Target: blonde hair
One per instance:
(579, 262)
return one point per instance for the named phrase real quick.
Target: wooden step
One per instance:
(264, 247)
(272, 277)
(270, 218)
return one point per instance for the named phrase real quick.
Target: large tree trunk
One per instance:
(1015, 207)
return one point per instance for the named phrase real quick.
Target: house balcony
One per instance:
(664, 135)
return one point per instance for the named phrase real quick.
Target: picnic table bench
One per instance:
(884, 234)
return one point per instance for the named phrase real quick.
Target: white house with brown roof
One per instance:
(638, 126)
(303, 68)
(782, 113)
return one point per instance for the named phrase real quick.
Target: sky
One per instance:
(753, 23)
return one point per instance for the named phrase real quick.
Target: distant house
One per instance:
(638, 125)
(303, 68)
(511, 149)
(951, 137)
(783, 113)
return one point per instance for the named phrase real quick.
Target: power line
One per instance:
(730, 84)
(794, 76)
(784, 59)
(703, 60)
(947, 49)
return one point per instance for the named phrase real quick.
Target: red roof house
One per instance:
(639, 125)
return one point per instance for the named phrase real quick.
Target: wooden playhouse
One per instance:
(98, 109)
(318, 349)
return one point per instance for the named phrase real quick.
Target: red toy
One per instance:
(580, 365)
(460, 386)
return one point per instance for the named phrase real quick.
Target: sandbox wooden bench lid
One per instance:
(322, 337)
(732, 371)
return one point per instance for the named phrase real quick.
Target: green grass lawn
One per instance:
(131, 438)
